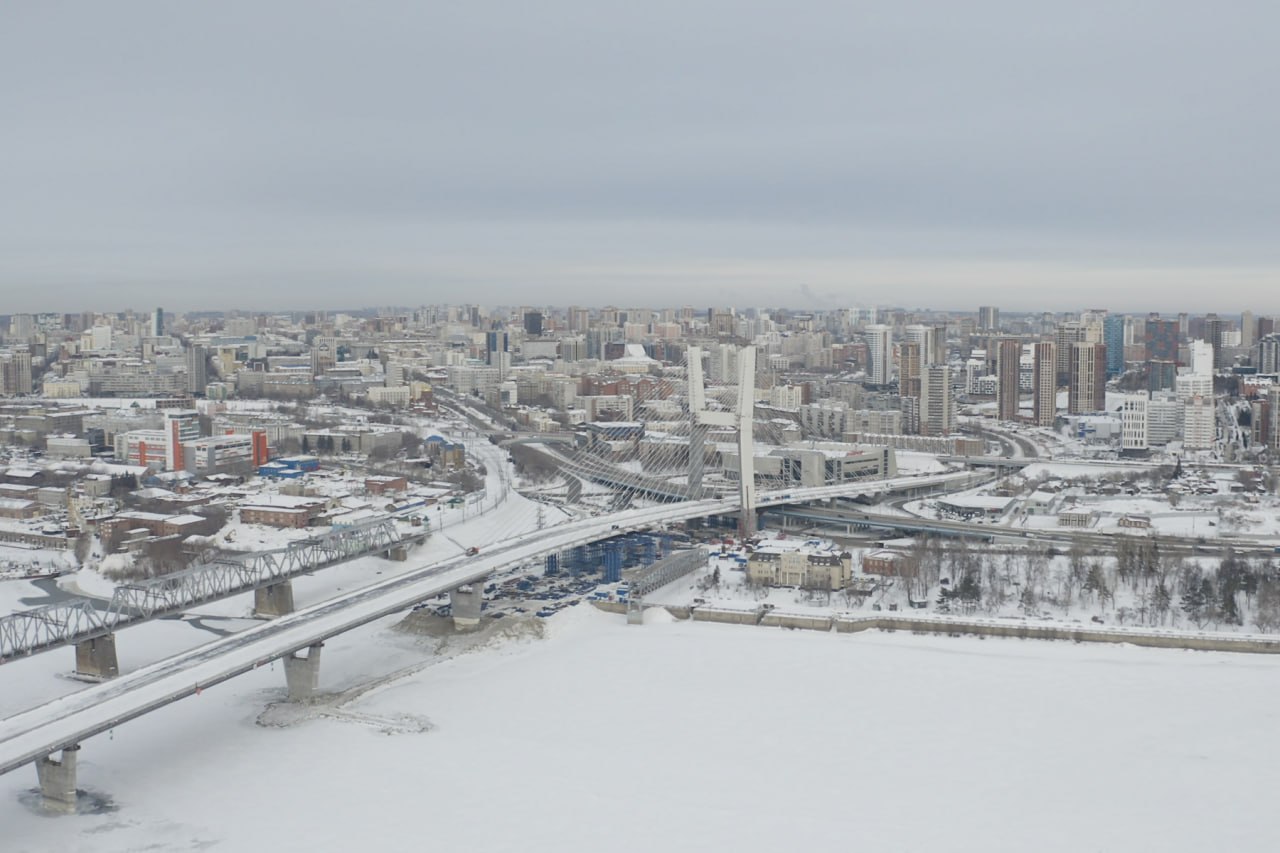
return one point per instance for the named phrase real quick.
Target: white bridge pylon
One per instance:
(742, 419)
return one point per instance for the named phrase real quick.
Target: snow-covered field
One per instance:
(684, 736)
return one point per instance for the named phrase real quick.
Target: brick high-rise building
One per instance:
(1008, 370)
(909, 358)
(1088, 387)
(1160, 339)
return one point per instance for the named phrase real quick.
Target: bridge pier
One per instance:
(302, 675)
(58, 779)
(274, 600)
(400, 553)
(635, 611)
(96, 657)
(465, 603)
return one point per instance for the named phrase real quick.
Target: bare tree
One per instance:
(1266, 611)
(82, 548)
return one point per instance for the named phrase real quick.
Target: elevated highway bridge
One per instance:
(60, 726)
(852, 518)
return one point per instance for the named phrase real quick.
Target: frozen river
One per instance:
(681, 736)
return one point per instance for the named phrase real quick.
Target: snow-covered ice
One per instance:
(690, 736)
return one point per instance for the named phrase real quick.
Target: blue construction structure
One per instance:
(613, 562)
(611, 556)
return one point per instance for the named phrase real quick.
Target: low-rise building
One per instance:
(1077, 518)
(808, 565)
(18, 508)
(886, 563)
(382, 485)
(283, 511)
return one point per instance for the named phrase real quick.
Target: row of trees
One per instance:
(1140, 583)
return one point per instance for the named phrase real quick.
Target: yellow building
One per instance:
(808, 565)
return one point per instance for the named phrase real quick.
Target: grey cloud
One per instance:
(935, 153)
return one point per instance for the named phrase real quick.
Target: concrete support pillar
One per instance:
(746, 439)
(400, 553)
(465, 604)
(58, 779)
(274, 600)
(96, 657)
(635, 611)
(302, 675)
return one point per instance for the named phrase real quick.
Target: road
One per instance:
(1065, 538)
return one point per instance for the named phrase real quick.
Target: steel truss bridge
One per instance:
(214, 577)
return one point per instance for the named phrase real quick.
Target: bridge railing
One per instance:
(28, 631)
(667, 570)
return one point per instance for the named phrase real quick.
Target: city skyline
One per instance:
(112, 308)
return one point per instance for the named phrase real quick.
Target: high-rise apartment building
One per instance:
(580, 318)
(1267, 358)
(1161, 375)
(1008, 370)
(197, 368)
(1065, 336)
(21, 326)
(533, 324)
(939, 346)
(922, 337)
(879, 354)
(157, 323)
(1198, 424)
(1088, 383)
(1214, 326)
(1202, 358)
(15, 372)
(988, 318)
(1134, 436)
(909, 369)
(497, 352)
(1113, 337)
(1160, 339)
(1045, 384)
(1248, 329)
(1271, 423)
(937, 406)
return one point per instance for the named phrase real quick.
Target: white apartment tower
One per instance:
(880, 352)
(923, 336)
(1202, 358)
(1198, 426)
(1134, 434)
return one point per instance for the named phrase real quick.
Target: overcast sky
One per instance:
(267, 155)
